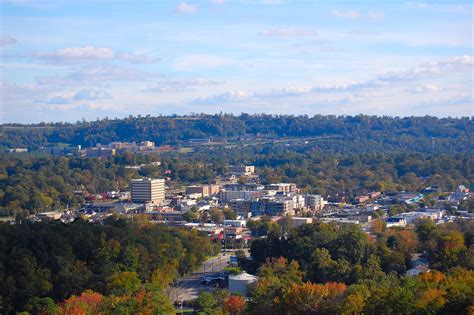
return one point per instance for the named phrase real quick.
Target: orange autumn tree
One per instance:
(234, 305)
(310, 297)
(87, 303)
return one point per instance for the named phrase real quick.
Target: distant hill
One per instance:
(409, 133)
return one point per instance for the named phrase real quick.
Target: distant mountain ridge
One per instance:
(449, 134)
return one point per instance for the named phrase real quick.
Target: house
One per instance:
(361, 199)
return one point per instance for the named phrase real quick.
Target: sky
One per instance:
(69, 60)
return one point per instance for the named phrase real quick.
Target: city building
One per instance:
(228, 195)
(100, 152)
(409, 198)
(148, 190)
(283, 187)
(243, 187)
(17, 150)
(396, 221)
(241, 207)
(243, 169)
(273, 206)
(51, 215)
(204, 190)
(235, 223)
(374, 194)
(299, 221)
(461, 193)
(232, 232)
(314, 202)
(361, 199)
(166, 215)
(59, 151)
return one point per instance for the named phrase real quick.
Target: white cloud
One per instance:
(223, 98)
(57, 98)
(346, 14)
(438, 68)
(7, 40)
(89, 94)
(217, 1)
(85, 53)
(379, 84)
(12, 92)
(274, 2)
(137, 58)
(375, 15)
(18, 2)
(425, 88)
(96, 76)
(186, 8)
(201, 61)
(417, 5)
(287, 32)
(285, 92)
(354, 14)
(180, 85)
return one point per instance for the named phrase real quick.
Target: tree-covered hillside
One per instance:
(409, 133)
(132, 263)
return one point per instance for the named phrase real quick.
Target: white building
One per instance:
(228, 195)
(396, 221)
(239, 283)
(148, 190)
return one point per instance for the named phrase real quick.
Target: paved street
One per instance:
(188, 287)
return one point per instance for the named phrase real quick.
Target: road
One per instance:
(188, 287)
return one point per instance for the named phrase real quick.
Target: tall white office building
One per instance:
(148, 190)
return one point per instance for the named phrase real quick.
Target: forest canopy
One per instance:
(390, 133)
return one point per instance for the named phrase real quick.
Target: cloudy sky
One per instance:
(67, 60)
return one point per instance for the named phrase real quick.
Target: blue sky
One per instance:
(69, 60)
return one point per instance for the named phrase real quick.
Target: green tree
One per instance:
(206, 303)
(123, 283)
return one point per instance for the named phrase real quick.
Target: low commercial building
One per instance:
(235, 223)
(374, 194)
(233, 232)
(409, 198)
(17, 150)
(100, 152)
(52, 215)
(166, 216)
(240, 283)
(299, 221)
(340, 220)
